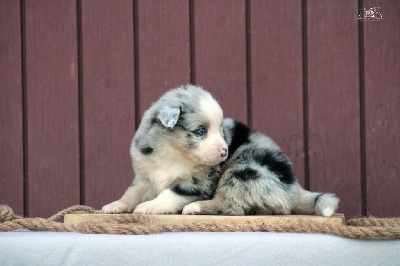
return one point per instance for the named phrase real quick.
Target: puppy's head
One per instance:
(192, 120)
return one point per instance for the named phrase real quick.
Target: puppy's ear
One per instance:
(168, 116)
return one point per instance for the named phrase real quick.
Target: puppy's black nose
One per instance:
(223, 152)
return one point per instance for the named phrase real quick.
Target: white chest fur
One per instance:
(161, 170)
(164, 173)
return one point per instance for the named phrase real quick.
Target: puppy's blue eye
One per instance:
(201, 131)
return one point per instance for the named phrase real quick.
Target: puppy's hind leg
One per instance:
(217, 205)
(306, 202)
(213, 206)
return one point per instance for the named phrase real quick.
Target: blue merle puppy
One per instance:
(188, 159)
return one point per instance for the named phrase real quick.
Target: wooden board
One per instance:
(336, 219)
(108, 99)
(163, 47)
(11, 111)
(382, 109)
(333, 101)
(52, 102)
(220, 53)
(276, 76)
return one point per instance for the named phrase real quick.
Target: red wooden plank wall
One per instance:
(382, 109)
(333, 99)
(108, 98)
(163, 49)
(76, 77)
(11, 107)
(52, 106)
(276, 84)
(220, 51)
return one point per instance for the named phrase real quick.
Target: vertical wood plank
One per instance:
(220, 53)
(52, 96)
(11, 130)
(382, 109)
(108, 98)
(276, 76)
(333, 96)
(164, 48)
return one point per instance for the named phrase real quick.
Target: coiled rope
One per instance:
(136, 224)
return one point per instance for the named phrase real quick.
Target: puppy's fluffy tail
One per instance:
(306, 202)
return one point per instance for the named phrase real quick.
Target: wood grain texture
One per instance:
(52, 96)
(336, 219)
(164, 48)
(108, 98)
(11, 129)
(276, 76)
(382, 109)
(333, 97)
(220, 53)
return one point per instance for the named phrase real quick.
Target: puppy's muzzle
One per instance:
(223, 152)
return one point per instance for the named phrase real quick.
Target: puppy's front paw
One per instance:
(154, 207)
(145, 208)
(115, 207)
(192, 208)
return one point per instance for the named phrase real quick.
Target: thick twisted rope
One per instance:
(7, 214)
(362, 228)
(386, 222)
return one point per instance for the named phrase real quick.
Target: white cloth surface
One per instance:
(23, 247)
